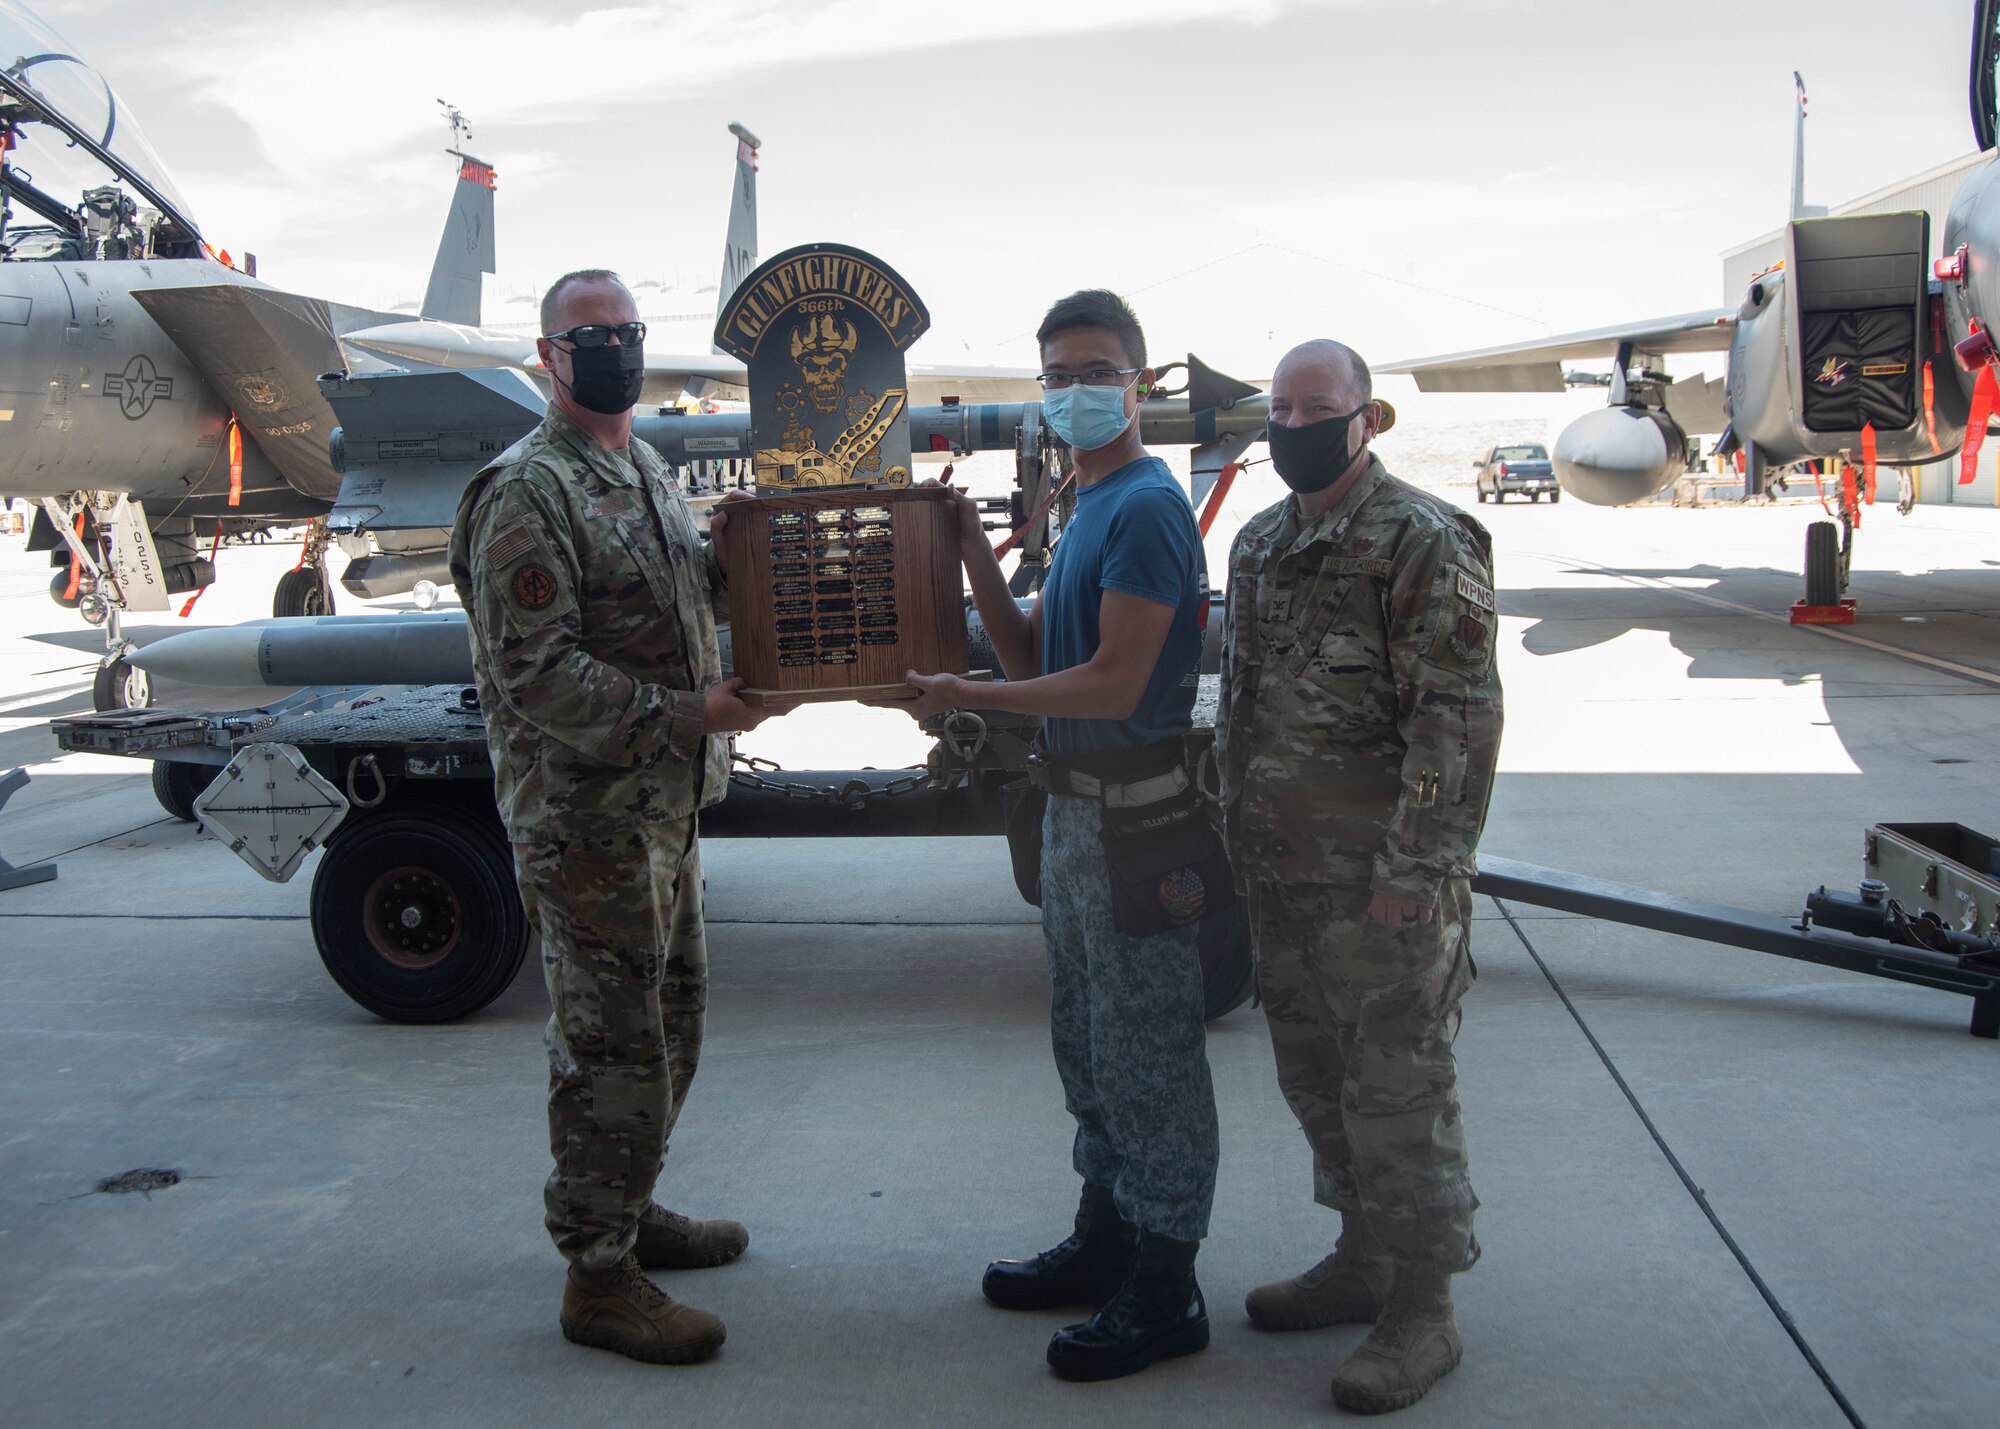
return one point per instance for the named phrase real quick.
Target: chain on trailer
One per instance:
(855, 794)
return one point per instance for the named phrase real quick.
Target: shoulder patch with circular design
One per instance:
(535, 586)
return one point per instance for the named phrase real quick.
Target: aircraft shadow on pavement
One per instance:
(1951, 614)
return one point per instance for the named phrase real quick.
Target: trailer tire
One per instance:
(1822, 563)
(416, 915)
(1228, 968)
(177, 783)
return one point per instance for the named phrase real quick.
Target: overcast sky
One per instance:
(1412, 176)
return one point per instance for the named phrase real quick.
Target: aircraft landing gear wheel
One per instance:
(303, 592)
(120, 685)
(1822, 563)
(178, 783)
(416, 914)
(1228, 970)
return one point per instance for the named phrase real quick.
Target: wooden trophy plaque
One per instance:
(833, 594)
(841, 575)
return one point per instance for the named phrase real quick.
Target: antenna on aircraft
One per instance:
(1800, 208)
(461, 130)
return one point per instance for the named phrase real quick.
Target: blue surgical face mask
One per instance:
(1087, 417)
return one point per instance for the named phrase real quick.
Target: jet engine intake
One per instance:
(1619, 455)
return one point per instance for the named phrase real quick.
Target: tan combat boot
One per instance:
(621, 1310)
(1412, 1347)
(669, 1240)
(1347, 1288)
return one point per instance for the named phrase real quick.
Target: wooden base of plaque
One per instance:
(867, 694)
(833, 594)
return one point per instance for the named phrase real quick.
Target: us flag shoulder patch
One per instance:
(510, 545)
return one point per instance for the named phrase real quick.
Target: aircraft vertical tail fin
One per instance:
(1800, 208)
(739, 248)
(465, 250)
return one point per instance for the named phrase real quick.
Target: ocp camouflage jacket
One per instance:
(591, 601)
(1360, 714)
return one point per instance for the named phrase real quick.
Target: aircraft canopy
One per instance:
(73, 103)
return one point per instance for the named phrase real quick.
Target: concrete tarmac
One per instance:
(357, 1238)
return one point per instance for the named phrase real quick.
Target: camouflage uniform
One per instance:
(1126, 1022)
(591, 600)
(1357, 736)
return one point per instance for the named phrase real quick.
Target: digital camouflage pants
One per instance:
(1362, 1019)
(1130, 1045)
(627, 970)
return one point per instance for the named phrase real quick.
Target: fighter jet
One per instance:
(677, 377)
(141, 367)
(1855, 351)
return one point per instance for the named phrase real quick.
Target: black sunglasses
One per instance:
(597, 334)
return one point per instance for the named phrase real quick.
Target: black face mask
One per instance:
(607, 379)
(1313, 457)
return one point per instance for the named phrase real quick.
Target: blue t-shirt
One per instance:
(1133, 531)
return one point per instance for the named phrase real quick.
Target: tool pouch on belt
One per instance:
(1021, 808)
(1168, 867)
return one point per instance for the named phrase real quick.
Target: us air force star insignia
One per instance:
(534, 586)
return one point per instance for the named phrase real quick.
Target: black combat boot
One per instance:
(1086, 1269)
(1158, 1313)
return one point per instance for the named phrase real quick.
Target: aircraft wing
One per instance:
(262, 351)
(1537, 366)
(931, 383)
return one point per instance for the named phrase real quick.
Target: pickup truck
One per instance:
(1522, 468)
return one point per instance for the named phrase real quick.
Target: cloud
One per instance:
(390, 62)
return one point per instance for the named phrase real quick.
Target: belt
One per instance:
(1060, 777)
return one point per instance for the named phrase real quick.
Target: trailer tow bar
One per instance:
(1974, 974)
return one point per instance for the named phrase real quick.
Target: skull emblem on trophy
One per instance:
(821, 350)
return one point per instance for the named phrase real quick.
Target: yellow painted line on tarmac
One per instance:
(1831, 632)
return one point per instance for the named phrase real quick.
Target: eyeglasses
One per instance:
(1094, 377)
(597, 334)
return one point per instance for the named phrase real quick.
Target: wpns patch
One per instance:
(535, 586)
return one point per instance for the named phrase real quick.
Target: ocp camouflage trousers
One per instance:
(1362, 1019)
(1130, 1044)
(627, 971)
